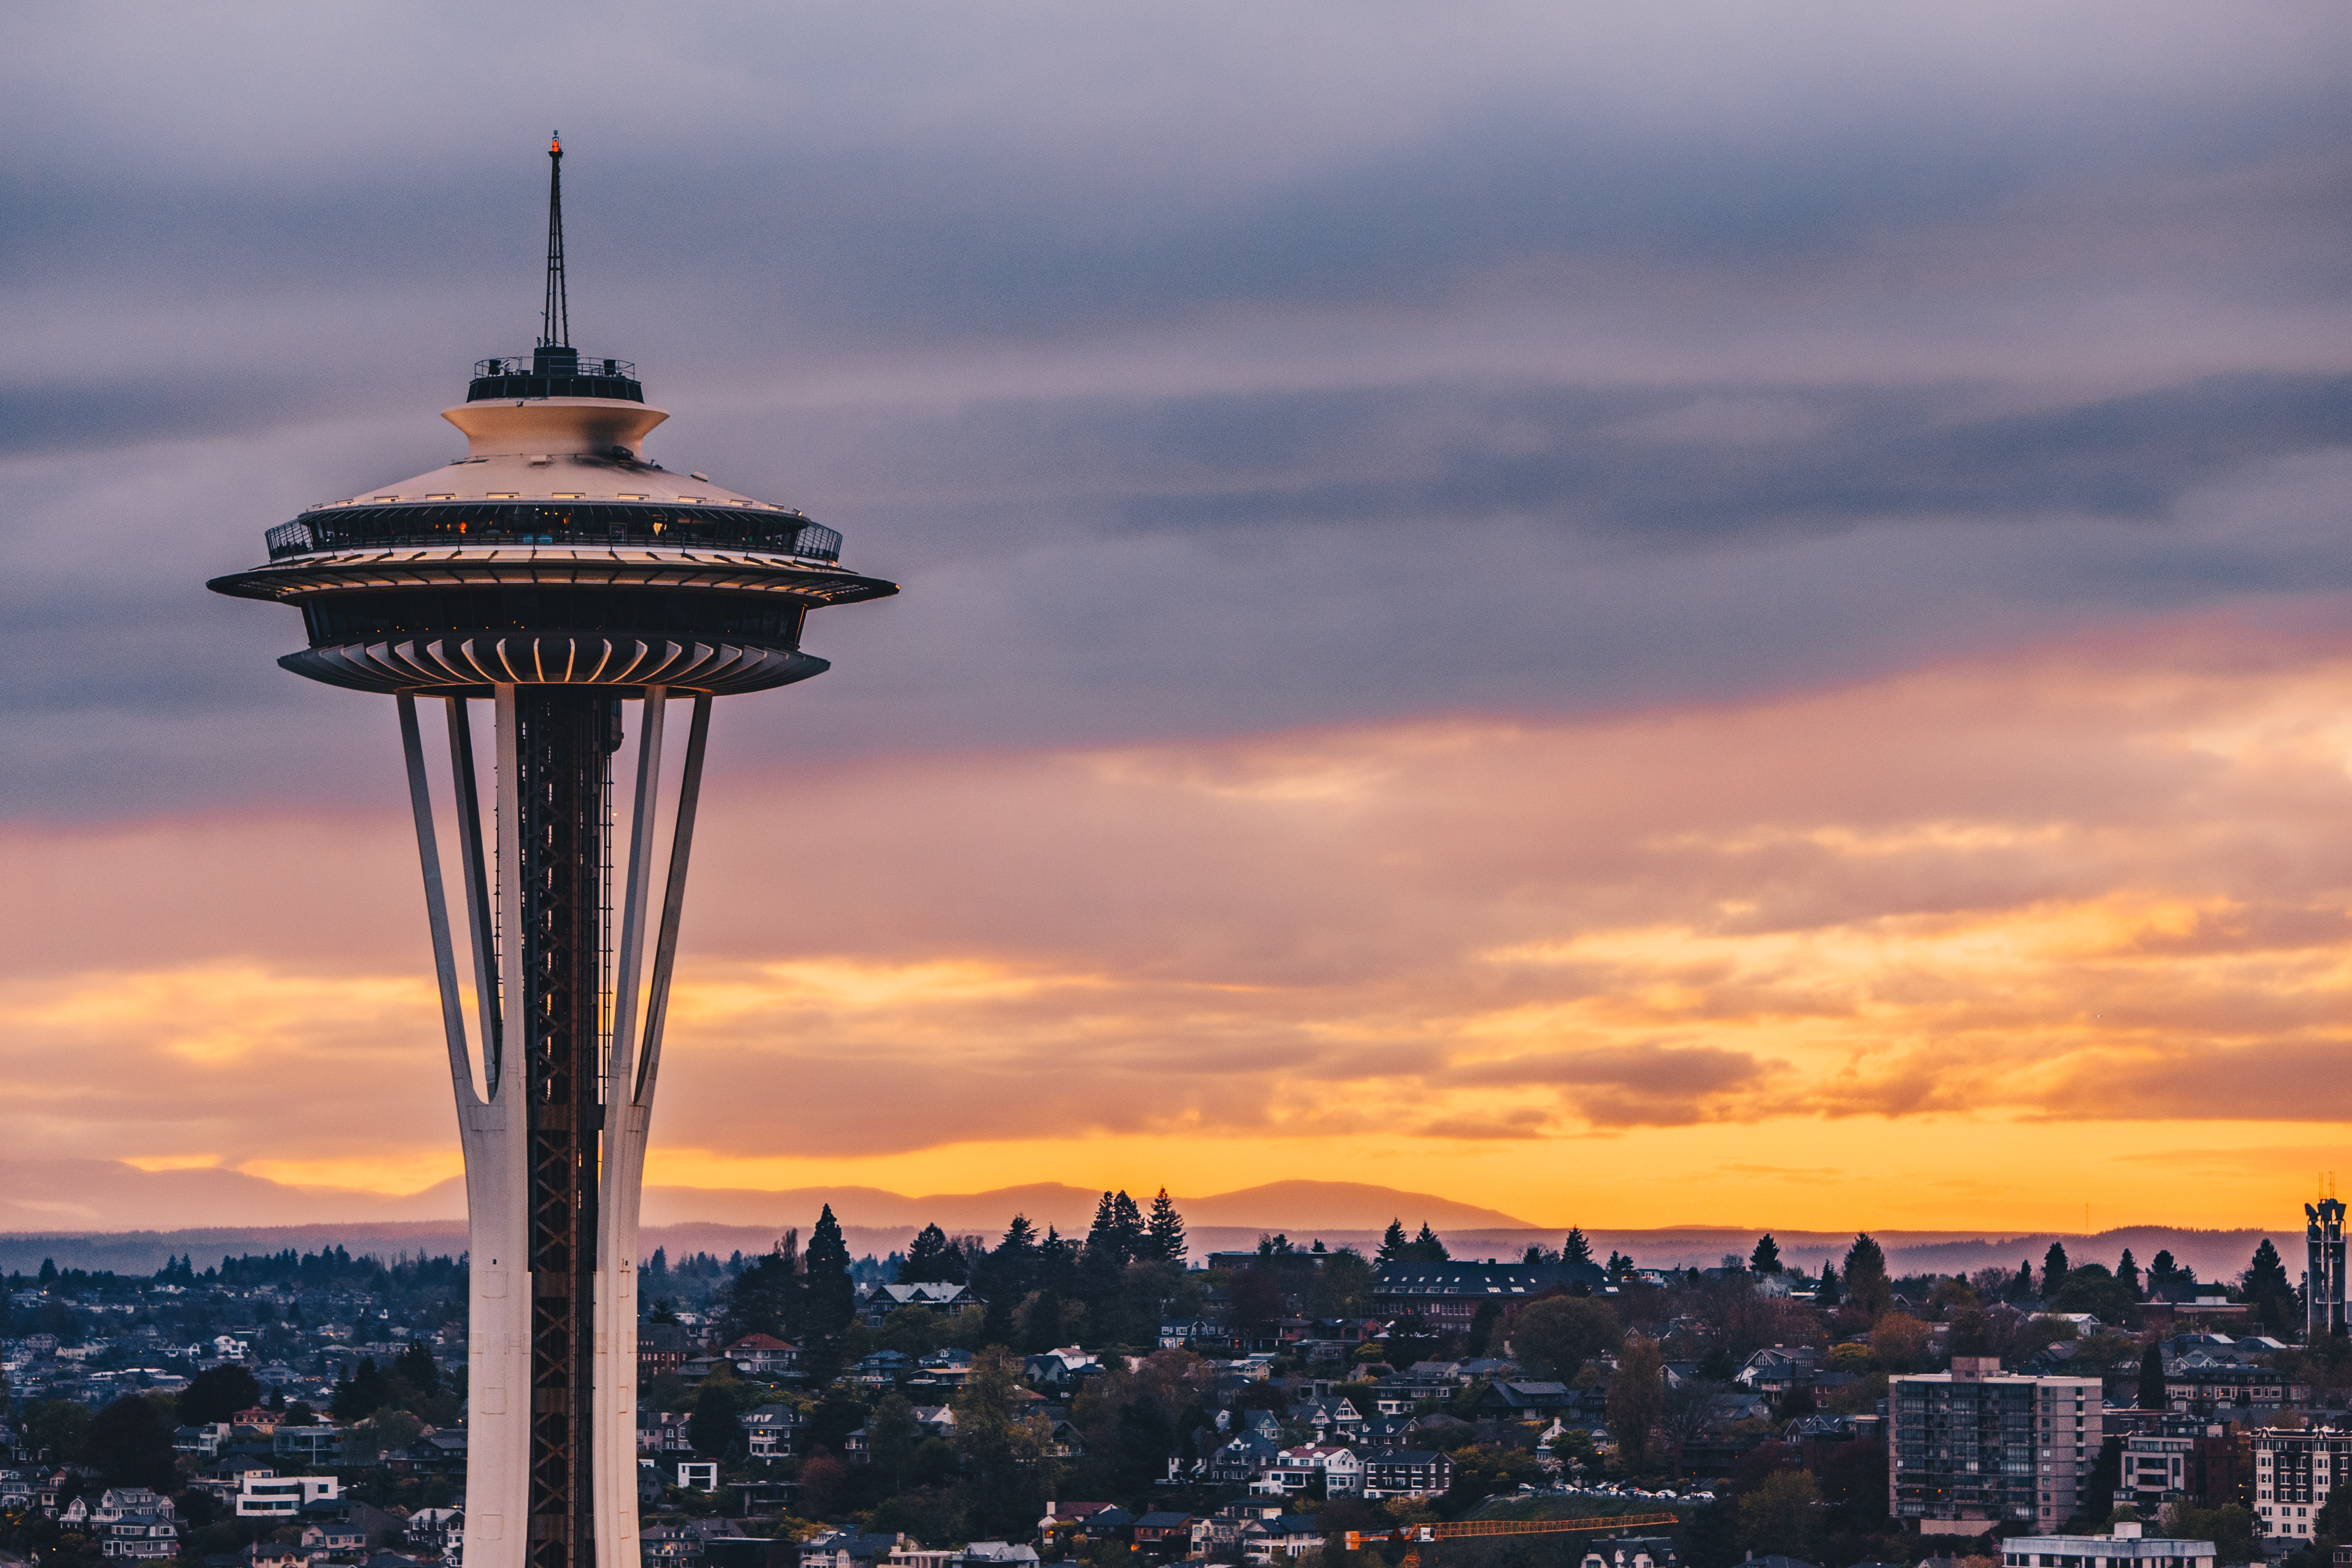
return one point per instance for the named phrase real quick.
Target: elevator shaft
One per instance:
(564, 739)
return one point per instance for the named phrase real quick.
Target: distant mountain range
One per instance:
(79, 1212)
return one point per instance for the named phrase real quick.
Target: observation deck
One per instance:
(552, 552)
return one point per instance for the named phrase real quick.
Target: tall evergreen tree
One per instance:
(2267, 1286)
(2023, 1287)
(2054, 1270)
(831, 1297)
(769, 1296)
(932, 1259)
(1766, 1259)
(415, 1367)
(1576, 1248)
(1103, 1235)
(1127, 1221)
(1393, 1244)
(1165, 1231)
(2161, 1271)
(2128, 1270)
(2152, 1394)
(1866, 1285)
(1427, 1248)
(1831, 1290)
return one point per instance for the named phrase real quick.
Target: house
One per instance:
(1330, 1417)
(321, 1444)
(1242, 1458)
(1406, 1472)
(765, 1356)
(336, 1536)
(1064, 1522)
(881, 1369)
(662, 1432)
(1186, 1333)
(1449, 1294)
(203, 1440)
(1632, 1551)
(261, 1495)
(770, 1431)
(876, 1306)
(662, 1348)
(945, 1367)
(995, 1554)
(699, 1475)
(1061, 1369)
(141, 1537)
(1165, 1535)
(121, 1502)
(841, 1549)
(441, 1530)
(1779, 1369)
(1295, 1469)
(1526, 1401)
(1284, 1535)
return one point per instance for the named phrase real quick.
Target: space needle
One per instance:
(556, 572)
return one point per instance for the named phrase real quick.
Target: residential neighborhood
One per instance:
(1029, 1398)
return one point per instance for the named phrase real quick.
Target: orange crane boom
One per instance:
(1415, 1535)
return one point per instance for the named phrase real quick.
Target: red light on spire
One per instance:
(555, 145)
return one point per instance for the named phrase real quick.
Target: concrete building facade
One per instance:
(1976, 1446)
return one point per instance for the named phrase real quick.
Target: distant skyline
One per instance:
(1618, 617)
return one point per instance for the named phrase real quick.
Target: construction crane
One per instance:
(1415, 1536)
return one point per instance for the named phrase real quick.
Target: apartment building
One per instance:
(1975, 1447)
(2295, 1470)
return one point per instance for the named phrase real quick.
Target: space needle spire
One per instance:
(555, 574)
(555, 317)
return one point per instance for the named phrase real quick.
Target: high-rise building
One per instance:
(1976, 1446)
(2295, 1468)
(557, 573)
(2323, 1275)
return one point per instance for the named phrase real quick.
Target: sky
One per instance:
(1689, 614)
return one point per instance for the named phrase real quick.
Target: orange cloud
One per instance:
(1949, 948)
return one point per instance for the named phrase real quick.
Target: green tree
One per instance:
(1866, 1285)
(365, 1392)
(1766, 1259)
(2128, 1270)
(932, 1259)
(1576, 1248)
(2054, 1270)
(2266, 1286)
(831, 1297)
(1003, 1449)
(2091, 1288)
(415, 1367)
(1165, 1231)
(892, 1436)
(61, 1430)
(1427, 1248)
(1556, 1336)
(1781, 1514)
(1342, 1287)
(768, 1297)
(1637, 1397)
(2152, 1395)
(1831, 1290)
(216, 1393)
(1394, 1244)
(714, 1426)
(131, 1444)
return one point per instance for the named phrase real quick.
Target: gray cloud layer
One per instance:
(1197, 373)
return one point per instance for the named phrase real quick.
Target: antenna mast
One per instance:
(555, 317)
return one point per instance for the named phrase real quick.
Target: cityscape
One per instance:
(1574, 792)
